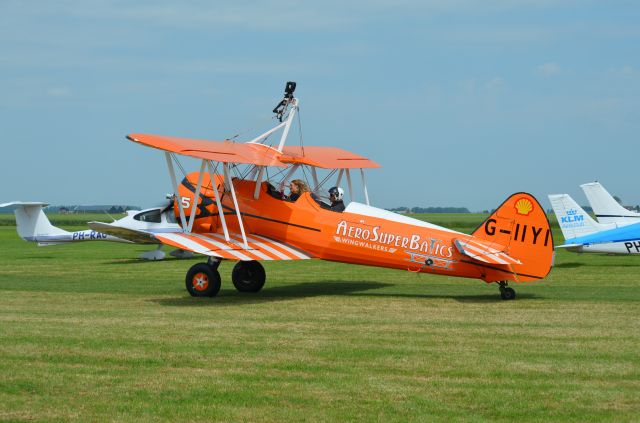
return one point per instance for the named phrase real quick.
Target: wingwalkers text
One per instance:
(374, 237)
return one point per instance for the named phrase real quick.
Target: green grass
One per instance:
(89, 333)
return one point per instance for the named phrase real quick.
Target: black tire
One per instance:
(202, 281)
(508, 293)
(248, 276)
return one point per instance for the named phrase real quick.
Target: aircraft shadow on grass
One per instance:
(568, 265)
(573, 265)
(229, 296)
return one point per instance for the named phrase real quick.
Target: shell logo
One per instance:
(524, 206)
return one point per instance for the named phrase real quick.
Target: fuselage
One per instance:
(622, 240)
(626, 247)
(360, 235)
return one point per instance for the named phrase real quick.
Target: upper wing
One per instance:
(483, 251)
(255, 153)
(219, 151)
(326, 158)
(215, 245)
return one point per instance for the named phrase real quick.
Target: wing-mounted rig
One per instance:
(224, 162)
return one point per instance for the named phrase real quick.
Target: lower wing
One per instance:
(215, 245)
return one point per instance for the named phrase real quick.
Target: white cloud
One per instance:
(59, 92)
(494, 84)
(548, 69)
(623, 71)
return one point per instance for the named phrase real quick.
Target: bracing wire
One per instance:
(300, 132)
(326, 178)
(175, 159)
(251, 129)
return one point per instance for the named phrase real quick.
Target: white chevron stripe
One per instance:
(236, 237)
(266, 247)
(486, 251)
(188, 244)
(234, 253)
(482, 254)
(285, 247)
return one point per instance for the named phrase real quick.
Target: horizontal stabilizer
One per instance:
(215, 245)
(32, 223)
(23, 203)
(481, 251)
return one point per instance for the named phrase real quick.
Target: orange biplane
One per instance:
(241, 214)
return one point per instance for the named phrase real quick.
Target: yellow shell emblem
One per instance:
(524, 206)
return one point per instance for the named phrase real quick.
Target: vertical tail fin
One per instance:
(606, 208)
(31, 221)
(573, 220)
(519, 228)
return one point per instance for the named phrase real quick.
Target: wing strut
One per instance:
(196, 197)
(235, 205)
(176, 195)
(218, 203)
(256, 193)
(339, 177)
(364, 186)
(314, 174)
(349, 184)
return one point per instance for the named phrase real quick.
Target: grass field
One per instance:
(90, 333)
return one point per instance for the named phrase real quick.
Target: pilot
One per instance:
(335, 196)
(296, 188)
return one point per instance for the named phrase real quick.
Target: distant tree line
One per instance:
(92, 209)
(412, 210)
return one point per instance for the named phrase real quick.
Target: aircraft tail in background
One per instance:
(606, 208)
(573, 220)
(33, 225)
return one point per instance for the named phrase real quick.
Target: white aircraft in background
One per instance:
(606, 208)
(584, 235)
(33, 225)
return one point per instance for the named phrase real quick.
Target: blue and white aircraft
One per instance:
(606, 208)
(33, 225)
(584, 235)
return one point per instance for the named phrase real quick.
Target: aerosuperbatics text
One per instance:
(429, 251)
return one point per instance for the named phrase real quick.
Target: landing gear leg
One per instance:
(506, 293)
(214, 262)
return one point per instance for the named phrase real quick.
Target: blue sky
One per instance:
(462, 102)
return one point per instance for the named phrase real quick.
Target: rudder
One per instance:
(520, 224)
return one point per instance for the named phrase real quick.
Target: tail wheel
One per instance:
(202, 281)
(506, 293)
(248, 276)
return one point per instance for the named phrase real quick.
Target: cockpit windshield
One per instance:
(152, 216)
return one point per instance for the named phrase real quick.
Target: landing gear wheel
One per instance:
(507, 293)
(248, 276)
(203, 281)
